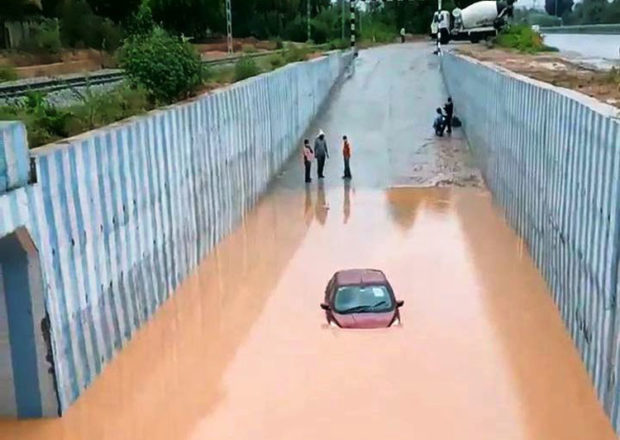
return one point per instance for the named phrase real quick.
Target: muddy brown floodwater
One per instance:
(241, 351)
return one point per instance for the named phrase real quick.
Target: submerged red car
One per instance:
(361, 298)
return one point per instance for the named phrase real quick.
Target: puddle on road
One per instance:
(241, 352)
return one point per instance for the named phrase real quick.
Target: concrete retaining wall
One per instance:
(14, 163)
(121, 215)
(551, 157)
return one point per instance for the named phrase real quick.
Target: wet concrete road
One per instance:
(242, 352)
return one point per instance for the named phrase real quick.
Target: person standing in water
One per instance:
(321, 153)
(308, 156)
(346, 155)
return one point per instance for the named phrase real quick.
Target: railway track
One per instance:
(17, 89)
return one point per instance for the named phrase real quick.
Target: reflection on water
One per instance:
(346, 205)
(240, 351)
(321, 207)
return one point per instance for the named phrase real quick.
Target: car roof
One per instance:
(360, 276)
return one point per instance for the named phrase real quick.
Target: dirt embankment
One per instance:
(29, 65)
(68, 61)
(553, 69)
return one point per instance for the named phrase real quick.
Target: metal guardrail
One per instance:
(16, 89)
(582, 29)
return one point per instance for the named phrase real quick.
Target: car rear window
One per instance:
(362, 299)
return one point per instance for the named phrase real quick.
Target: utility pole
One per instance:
(229, 36)
(342, 19)
(352, 10)
(308, 9)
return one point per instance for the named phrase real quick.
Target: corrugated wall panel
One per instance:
(551, 159)
(122, 215)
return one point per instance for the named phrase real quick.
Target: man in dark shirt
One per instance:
(320, 152)
(449, 109)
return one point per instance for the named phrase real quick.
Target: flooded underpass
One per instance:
(242, 350)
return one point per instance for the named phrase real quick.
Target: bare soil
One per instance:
(220, 47)
(553, 69)
(68, 61)
(29, 65)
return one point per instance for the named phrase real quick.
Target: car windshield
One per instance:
(360, 299)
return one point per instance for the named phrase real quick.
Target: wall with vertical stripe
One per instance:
(119, 216)
(14, 163)
(551, 157)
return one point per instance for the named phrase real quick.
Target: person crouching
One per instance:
(440, 123)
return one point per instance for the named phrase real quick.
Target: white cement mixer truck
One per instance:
(476, 22)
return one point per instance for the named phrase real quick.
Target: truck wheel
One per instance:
(474, 38)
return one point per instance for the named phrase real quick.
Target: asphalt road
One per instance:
(242, 350)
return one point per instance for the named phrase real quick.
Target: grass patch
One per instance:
(613, 76)
(276, 61)
(248, 48)
(47, 123)
(8, 73)
(378, 32)
(523, 38)
(296, 53)
(279, 44)
(222, 75)
(338, 44)
(246, 68)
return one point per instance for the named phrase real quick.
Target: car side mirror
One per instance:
(325, 307)
(400, 303)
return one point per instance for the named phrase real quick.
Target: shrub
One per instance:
(378, 32)
(522, 38)
(79, 27)
(248, 48)
(278, 42)
(246, 68)
(296, 29)
(100, 109)
(107, 36)
(276, 61)
(326, 25)
(295, 53)
(223, 75)
(338, 44)
(141, 23)
(7, 73)
(46, 123)
(76, 23)
(44, 38)
(166, 67)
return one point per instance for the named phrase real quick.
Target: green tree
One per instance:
(165, 66)
(596, 12)
(558, 7)
(17, 9)
(51, 8)
(115, 10)
(190, 17)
